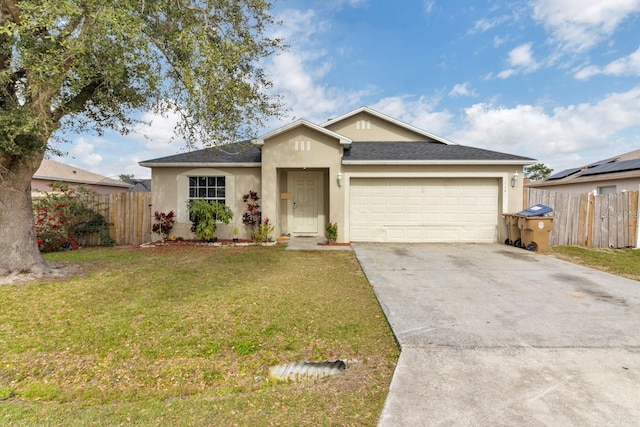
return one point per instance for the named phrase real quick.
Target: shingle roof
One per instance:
(360, 151)
(422, 150)
(139, 185)
(239, 152)
(52, 170)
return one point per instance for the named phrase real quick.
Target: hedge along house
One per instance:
(379, 179)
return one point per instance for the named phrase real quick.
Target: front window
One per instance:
(207, 187)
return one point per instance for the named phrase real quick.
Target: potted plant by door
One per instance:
(332, 232)
(235, 234)
(205, 214)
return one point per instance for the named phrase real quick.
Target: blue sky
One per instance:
(556, 80)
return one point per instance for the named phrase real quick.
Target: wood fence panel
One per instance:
(622, 221)
(574, 219)
(129, 217)
(633, 218)
(604, 221)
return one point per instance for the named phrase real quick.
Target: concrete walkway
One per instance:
(313, 244)
(492, 335)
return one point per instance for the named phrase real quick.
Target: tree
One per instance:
(79, 65)
(125, 176)
(537, 171)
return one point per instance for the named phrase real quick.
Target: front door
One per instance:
(307, 201)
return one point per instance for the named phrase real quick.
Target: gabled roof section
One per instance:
(425, 152)
(298, 123)
(235, 154)
(390, 120)
(51, 170)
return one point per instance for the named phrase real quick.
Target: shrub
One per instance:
(62, 216)
(332, 231)
(262, 233)
(204, 214)
(163, 223)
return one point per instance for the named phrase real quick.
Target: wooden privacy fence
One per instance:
(129, 216)
(598, 221)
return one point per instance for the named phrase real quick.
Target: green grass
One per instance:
(184, 336)
(621, 262)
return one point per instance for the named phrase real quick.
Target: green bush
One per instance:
(62, 216)
(205, 214)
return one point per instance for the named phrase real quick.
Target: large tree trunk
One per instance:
(18, 247)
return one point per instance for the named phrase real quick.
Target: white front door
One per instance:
(307, 202)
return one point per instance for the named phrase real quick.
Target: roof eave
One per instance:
(438, 162)
(586, 179)
(83, 181)
(200, 164)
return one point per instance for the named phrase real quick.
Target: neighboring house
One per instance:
(380, 179)
(612, 175)
(51, 171)
(139, 185)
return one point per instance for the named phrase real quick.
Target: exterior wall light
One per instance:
(514, 179)
(339, 179)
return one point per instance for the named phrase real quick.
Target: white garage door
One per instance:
(423, 210)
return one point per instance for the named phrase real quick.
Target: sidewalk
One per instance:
(314, 243)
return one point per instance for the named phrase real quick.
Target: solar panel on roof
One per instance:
(563, 174)
(625, 165)
(602, 162)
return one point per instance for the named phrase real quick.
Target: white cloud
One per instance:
(417, 112)
(486, 24)
(83, 151)
(625, 66)
(429, 5)
(520, 60)
(580, 25)
(157, 133)
(297, 73)
(522, 56)
(462, 89)
(564, 137)
(587, 72)
(299, 25)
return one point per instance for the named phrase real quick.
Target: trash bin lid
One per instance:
(536, 210)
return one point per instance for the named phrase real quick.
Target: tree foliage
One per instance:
(537, 172)
(93, 62)
(79, 65)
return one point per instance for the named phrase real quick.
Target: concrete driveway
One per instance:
(492, 335)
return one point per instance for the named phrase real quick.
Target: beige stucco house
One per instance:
(611, 175)
(380, 179)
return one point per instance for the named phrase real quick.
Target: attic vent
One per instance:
(303, 145)
(363, 124)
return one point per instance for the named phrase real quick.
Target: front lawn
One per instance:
(621, 262)
(184, 336)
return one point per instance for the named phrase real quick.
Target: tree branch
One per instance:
(12, 10)
(77, 103)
